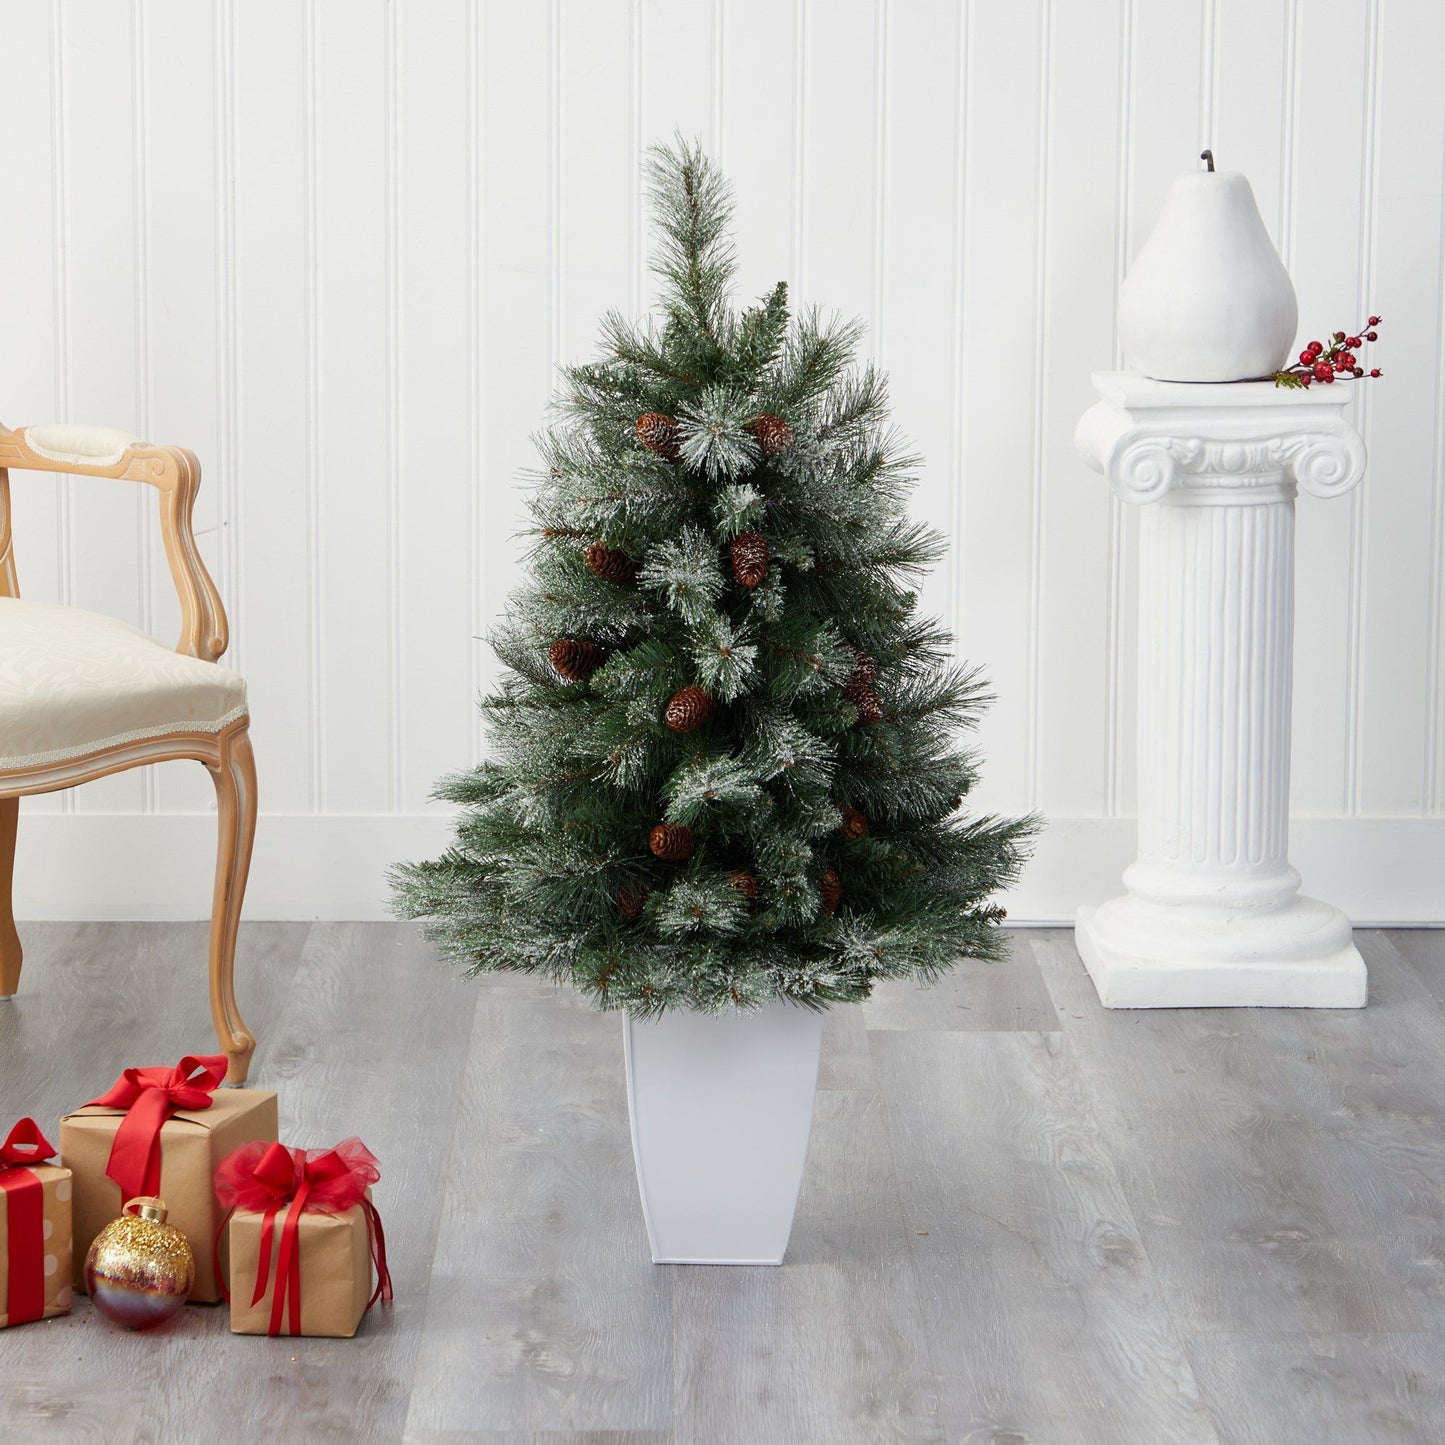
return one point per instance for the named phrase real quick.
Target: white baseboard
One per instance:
(1380, 871)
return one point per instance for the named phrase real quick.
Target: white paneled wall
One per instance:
(339, 247)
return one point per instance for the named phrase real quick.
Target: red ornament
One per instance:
(1322, 370)
(1375, 371)
(1374, 321)
(1352, 342)
(1316, 347)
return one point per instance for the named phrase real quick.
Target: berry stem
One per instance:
(1322, 366)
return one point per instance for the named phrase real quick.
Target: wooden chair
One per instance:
(82, 695)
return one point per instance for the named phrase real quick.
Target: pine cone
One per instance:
(687, 709)
(869, 705)
(855, 825)
(672, 842)
(774, 436)
(610, 564)
(658, 433)
(750, 558)
(575, 660)
(631, 898)
(830, 890)
(745, 883)
(864, 673)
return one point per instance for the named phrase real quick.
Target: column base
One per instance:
(1150, 955)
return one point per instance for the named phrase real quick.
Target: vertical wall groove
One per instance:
(1289, 134)
(395, 549)
(1359, 512)
(555, 196)
(1434, 800)
(638, 254)
(315, 576)
(719, 81)
(882, 122)
(800, 144)
(1040, 392)
(1208, 71)
(1114, 593)
(228, 401)
(958, 512)
(60, 230)
(60, 270)
(478, 519)
(140, 180)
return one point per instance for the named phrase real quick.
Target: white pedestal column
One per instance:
(1213, 916)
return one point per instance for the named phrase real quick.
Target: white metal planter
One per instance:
(721, 1109)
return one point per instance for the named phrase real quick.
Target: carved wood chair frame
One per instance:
(176, 474)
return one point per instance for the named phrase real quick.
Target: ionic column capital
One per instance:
(1233, 444)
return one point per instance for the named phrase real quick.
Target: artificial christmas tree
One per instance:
(663, 822)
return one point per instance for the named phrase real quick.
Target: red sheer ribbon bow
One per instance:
(24, 1220)
(265, 1178)
(150, 1097)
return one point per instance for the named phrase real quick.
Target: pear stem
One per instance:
(1208, 157)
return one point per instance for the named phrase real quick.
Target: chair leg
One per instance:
(10, 956)
(235, 779)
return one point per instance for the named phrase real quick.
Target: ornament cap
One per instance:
(148, 1207)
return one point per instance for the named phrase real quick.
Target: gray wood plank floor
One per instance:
(1026, 1219)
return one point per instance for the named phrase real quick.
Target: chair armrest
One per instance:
(174, 472)
(75, 447)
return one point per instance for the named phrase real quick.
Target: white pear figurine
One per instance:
(1208, 298)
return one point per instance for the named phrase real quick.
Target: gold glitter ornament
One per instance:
(139, 1269)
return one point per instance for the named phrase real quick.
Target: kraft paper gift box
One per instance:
(302, 1239)
(178, 1125)
(34, 1229)
(333, 1256)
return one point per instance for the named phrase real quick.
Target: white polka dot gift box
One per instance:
(34, 1229)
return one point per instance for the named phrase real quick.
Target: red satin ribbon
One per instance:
(150, 1097)
(331, 1181)
(24, 1220)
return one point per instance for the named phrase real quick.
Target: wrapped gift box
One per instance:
(192, 1141)
(333, 1257)
(302, 1239)
(42, 1253)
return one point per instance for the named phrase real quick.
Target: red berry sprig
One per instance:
(1323, 363)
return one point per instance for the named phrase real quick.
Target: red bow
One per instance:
(150, 1097)
(263, 1178)
(24, 1219)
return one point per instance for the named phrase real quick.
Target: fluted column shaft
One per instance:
(1213, 913)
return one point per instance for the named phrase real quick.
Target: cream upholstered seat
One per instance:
(83, 696)
(74, 682)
